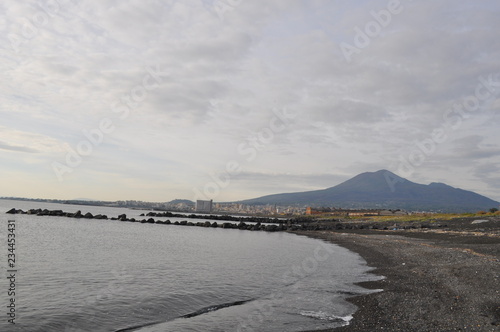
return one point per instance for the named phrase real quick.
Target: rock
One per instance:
(88, 215)
(271, 228)
(12, 211)
(78, 214)
(214, 224)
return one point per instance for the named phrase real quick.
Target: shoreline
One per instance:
(434, 280)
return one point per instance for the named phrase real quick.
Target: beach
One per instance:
(436, 279)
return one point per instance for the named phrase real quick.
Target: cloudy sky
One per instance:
(233, 99)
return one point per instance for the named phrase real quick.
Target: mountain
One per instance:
(181, 201)
(384, 189)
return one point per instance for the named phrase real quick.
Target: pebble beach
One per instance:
(445, 279)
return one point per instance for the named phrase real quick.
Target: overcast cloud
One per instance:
(156, 100)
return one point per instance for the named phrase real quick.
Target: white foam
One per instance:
(325, 316)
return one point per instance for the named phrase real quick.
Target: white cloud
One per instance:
(226, 75)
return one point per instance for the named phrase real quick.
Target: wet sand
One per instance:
(436, 280)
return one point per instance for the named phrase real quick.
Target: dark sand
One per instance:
(436, 279)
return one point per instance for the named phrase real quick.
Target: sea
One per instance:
(102, 275)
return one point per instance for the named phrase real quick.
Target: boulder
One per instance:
(58, 213)
(271, 228)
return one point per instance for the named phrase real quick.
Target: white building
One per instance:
(204, 206)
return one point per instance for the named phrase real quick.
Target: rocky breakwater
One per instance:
(249, 225)
(216, 217)
(57, 213)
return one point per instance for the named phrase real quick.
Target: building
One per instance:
(204, 206)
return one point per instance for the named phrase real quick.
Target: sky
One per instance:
(235, 99)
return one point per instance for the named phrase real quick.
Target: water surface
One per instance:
(103, 275)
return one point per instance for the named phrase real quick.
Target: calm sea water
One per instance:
(103, 275)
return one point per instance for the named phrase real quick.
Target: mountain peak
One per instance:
(386, 190)
(439, 184)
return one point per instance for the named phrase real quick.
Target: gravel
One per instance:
(435, 281)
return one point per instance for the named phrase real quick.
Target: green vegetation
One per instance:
(425, 217)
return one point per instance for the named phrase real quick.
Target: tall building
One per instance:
(204, 206)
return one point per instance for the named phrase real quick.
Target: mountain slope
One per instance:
(384, 189)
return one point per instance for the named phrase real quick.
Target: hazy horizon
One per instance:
(231, 100)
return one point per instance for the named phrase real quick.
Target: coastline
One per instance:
(446, 280)
(441, 275)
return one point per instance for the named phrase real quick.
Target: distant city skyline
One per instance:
(232, 100)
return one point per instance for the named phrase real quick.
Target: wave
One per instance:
(215, 308)
(192, 314)
(324, 316)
